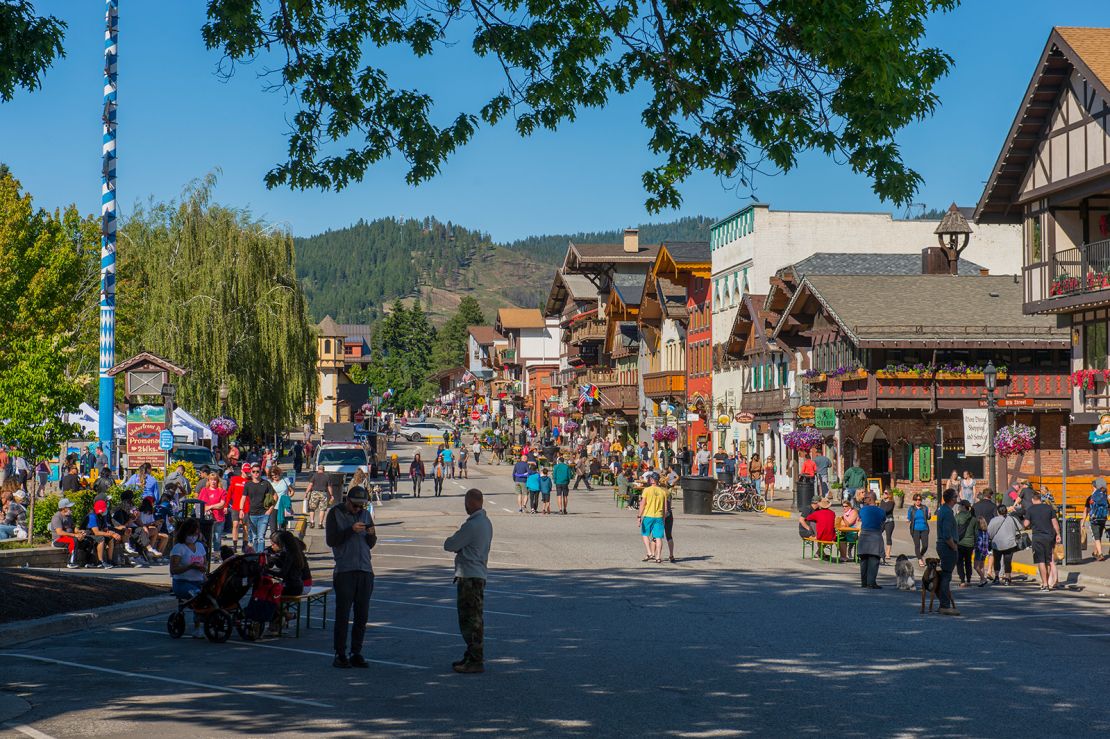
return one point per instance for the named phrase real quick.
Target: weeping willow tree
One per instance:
(215, 290)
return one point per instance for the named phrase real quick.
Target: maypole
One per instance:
(108, 231)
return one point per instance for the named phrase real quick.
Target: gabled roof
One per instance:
(566, 287)
(838, 263)
(1086, 50)
(981, 310)
(147, 358)
(362, 330)
(688, 252)
(510, 318)
(629, 287)
(485, 335)
(611, 253)
(328, 327)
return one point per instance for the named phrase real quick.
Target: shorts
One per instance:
(521, 488)
(652, 527)
(545, 497)
(668, 526)
(562, 490)
(1098, 526)
(186, 589)
(233, 516)
(1042, 549)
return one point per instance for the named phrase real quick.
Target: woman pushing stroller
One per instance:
(187, 567)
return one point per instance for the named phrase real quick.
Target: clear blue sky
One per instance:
(178, 120)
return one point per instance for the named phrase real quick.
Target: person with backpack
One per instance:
(1095, 513)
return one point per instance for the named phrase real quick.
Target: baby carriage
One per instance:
(218, 602)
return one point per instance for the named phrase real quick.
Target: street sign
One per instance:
(1063, 437)
(786, 427)
(744, 418)
(475, 415)
(807, 411)
(165, 440)
(825, 418)
(1009, 402)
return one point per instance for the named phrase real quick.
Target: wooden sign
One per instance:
(743, 418)
(807, 411)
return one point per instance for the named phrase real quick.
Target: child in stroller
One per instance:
(215, 601)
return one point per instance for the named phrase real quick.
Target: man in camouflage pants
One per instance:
(471, 545)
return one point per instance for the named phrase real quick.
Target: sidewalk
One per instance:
(1088, 573)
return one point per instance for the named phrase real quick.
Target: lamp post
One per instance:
(224, 392)
(168, 393)
(990, 379)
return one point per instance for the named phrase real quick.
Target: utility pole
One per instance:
(108, 231)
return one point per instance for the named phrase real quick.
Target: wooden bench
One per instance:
(817, 549)
(292, 604)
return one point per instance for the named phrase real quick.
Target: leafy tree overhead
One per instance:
(733, 87)
(29, 44)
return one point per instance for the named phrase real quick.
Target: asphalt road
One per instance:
(739, 637)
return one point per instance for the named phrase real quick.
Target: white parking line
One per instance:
(447, 559)
(27, 731)
(175, 681)
(284, 649)
(435, 585)
(446, 608)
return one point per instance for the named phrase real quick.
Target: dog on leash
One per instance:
(930, 583)
(903, 570)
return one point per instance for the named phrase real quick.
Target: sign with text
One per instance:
(825, 418)
(976, 436)
(807, 411)
(145, 424)
(743, 418)
(1009, 402)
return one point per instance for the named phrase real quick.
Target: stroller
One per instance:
(218, 602)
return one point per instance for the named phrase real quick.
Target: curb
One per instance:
(40, 628)
(778, 513)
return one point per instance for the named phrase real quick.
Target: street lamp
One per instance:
(168, 393)
(990, 379)
(224, 392)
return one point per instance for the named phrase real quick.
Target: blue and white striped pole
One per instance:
(108, 231)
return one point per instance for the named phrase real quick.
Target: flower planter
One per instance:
(816, 379)
(957, 377)
(886, 375)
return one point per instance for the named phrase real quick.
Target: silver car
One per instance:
(342, 458)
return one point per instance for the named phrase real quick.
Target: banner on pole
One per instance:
(976, 437)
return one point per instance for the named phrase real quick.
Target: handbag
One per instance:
(1022, 538)
(1083, 538)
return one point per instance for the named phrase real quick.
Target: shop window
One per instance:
(1094, 345)
(904, 461)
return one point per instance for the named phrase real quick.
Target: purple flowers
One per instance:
(803, 439)
(223, 426)
(665, 433)
(1017, 438)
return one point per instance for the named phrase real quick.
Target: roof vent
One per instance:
(632, 240)
(993, 295)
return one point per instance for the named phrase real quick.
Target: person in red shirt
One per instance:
(234, 495)
(809, 467)
(215, 506)
(823, 522)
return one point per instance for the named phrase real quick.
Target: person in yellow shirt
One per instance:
(652, 502)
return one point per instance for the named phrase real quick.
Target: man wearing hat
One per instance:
(823, 522)
(349, 531)
(235, 500)
(105, 535)
(64, 535)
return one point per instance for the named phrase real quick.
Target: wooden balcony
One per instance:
(897, 391)
(765, 401)
(665, 384)
(506, 357)
(622, 398)
(1068, 278)
(606, 377)
(587, 330)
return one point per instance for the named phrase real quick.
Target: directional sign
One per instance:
(1009, 403)
(165, 440)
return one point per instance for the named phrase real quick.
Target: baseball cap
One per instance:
(100, 506)
(358, 494)
(246, 467)
(19, 496)
(65, 503)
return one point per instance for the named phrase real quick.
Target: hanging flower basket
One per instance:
(803, 439)
(1017, 438)
(665, 433)
(223, 426)
(570, 426)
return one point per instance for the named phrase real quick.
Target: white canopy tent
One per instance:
(182, 418)
(185, 425)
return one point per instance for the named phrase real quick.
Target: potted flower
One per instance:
(1017, 438)
(803, 439)
(899, 496)
(223, 426)
(665, 434)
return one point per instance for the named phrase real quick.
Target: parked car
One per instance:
(200, 456)
(342, 458)
(421, 430)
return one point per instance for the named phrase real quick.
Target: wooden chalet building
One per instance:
(898, 356)
(1053, 177)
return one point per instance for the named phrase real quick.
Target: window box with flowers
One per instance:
(1086, 379)
(917, 371)
(814, 376)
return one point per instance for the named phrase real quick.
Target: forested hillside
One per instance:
(552, 248)
(351, 273)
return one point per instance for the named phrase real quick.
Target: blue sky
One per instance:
(178, 121)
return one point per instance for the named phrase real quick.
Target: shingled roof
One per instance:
(485, 335)
(930, 310)
(839, 263)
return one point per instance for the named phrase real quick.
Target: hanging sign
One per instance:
(743, 418)
(825, 418)
(806, 411)
(976, 437)
(723, 420)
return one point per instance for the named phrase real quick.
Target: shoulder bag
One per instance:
(1022, 538)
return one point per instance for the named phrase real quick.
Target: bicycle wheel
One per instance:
(729, 502)
(758, 502)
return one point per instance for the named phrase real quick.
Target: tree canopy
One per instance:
(733, 88)
(450, 347)
(401, 358)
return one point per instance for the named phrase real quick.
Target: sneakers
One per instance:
(949, 612)
(72, 566)
(357, 660)
(341, 662)
(468, 668)
(130, 549)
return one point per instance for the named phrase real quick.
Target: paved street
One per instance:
(739, 637)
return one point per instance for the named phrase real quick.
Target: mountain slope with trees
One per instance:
(552, 248)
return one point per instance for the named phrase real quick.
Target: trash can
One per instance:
(725, 478)
(803, 492)
(1073, 542)
(697, 494)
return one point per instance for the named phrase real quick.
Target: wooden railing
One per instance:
(661, 384)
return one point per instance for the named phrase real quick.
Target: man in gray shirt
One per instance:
(349, 531)
(471, 545)
(823, 464)
(947, 538)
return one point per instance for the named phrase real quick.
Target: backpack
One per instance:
(1100, 506)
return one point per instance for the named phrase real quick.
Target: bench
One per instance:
(293, 603)
(1079, 487)
(817, 549)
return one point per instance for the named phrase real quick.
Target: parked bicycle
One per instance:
(741, 496)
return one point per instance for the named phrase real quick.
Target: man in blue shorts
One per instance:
(652, 502)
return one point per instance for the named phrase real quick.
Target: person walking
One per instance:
(823, 463)
(947, 550)
(476, 450)
(1095, 512)
(1003, 531)
(668, 525)
(471, 545)
(417, 473)
(392, 474)
(463, 454)
(318, 497)
(520, 481)
(967, 487)
(439, 471)
(298, 458)
(854, 479)
(560, 476)
(652, 504)
(448, 457)
(545, 491)
(255, 506)
(701, 459)
(869, 546)
(532, 483)
(967, 526)
(349, 531)
(887, 505)
(918, 517)
(1046, 535)
(582, 473)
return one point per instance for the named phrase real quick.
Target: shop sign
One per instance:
(723, 420)
(145, 424)
(825, 418)
(976, 437)
(786, 427)
(691, 417)
(807, 411)
(1101, 434)
(743, 418)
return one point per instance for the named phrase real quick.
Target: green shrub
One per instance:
(836, 485)
(898, 492)
(45, 508)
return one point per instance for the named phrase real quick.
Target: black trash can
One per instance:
(1074, 541)
(725, 478)
(803, 492)
(697, 494)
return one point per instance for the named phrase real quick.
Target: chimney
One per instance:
(632, 240)
(984, 272)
